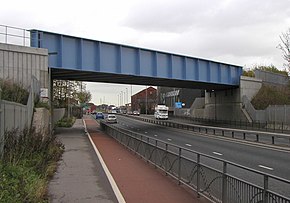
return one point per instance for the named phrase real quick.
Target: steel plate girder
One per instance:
(79, 54)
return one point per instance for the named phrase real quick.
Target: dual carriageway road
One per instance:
(263, 158)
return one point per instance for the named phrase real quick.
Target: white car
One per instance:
(111, 118)
(136, 113)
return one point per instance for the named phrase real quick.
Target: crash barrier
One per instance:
(280, 139)
(215, 179)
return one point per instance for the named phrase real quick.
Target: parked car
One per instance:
(111, 118)
(129, 112)
(136, 113)
(99, 115)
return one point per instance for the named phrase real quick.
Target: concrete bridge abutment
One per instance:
(227, 104)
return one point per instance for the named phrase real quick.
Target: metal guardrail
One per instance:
(279, 139)
(209, 176)
(256, 125)
(14, 35)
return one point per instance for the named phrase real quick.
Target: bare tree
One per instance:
(284, 46)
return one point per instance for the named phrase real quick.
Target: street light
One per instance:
(118, 100)
(131, 95)
(127, 95)
(146, 100)
(121, 98)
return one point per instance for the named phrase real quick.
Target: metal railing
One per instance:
(14, 35)
(216, 179)
(255, 125)
(272, 138)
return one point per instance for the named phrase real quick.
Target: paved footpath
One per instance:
(137, 180)
(80, 176)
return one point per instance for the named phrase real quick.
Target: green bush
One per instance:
(40, 104)
(66, 122)
(29, 160)
(13, 92)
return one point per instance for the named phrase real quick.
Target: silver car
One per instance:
(111, 118)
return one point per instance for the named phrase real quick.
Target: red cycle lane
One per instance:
(137, 180)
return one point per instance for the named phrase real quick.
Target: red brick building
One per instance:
(145, 98)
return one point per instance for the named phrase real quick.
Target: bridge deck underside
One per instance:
(65, 74)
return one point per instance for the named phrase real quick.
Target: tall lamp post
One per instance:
(126, 95)
(118, 100)
(121, 98)
(146, 101)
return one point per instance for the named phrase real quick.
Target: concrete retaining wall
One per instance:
(41, 120)
(197, 108)
(250, 86)
(227, 104)
(278, 114)
(272, 114)
(272, 78)
(58, 114)
(19, 64)
(223, 105)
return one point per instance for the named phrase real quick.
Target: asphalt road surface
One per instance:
(262, 158)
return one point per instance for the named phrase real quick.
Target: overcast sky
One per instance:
(242, 32)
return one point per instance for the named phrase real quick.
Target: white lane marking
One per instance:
(266, 167)
(217, 153)
(155, 135)
(114, 186)
(189, 145)
(169, 139)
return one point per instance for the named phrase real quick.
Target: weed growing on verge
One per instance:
(29, 160)
(66, 122)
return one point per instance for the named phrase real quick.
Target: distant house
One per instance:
(144, 100)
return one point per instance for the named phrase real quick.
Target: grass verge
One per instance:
(28, 162)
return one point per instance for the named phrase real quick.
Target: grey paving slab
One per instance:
(79, 177)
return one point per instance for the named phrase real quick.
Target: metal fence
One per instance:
(216, 179)
(14, 35)
(17, 116)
